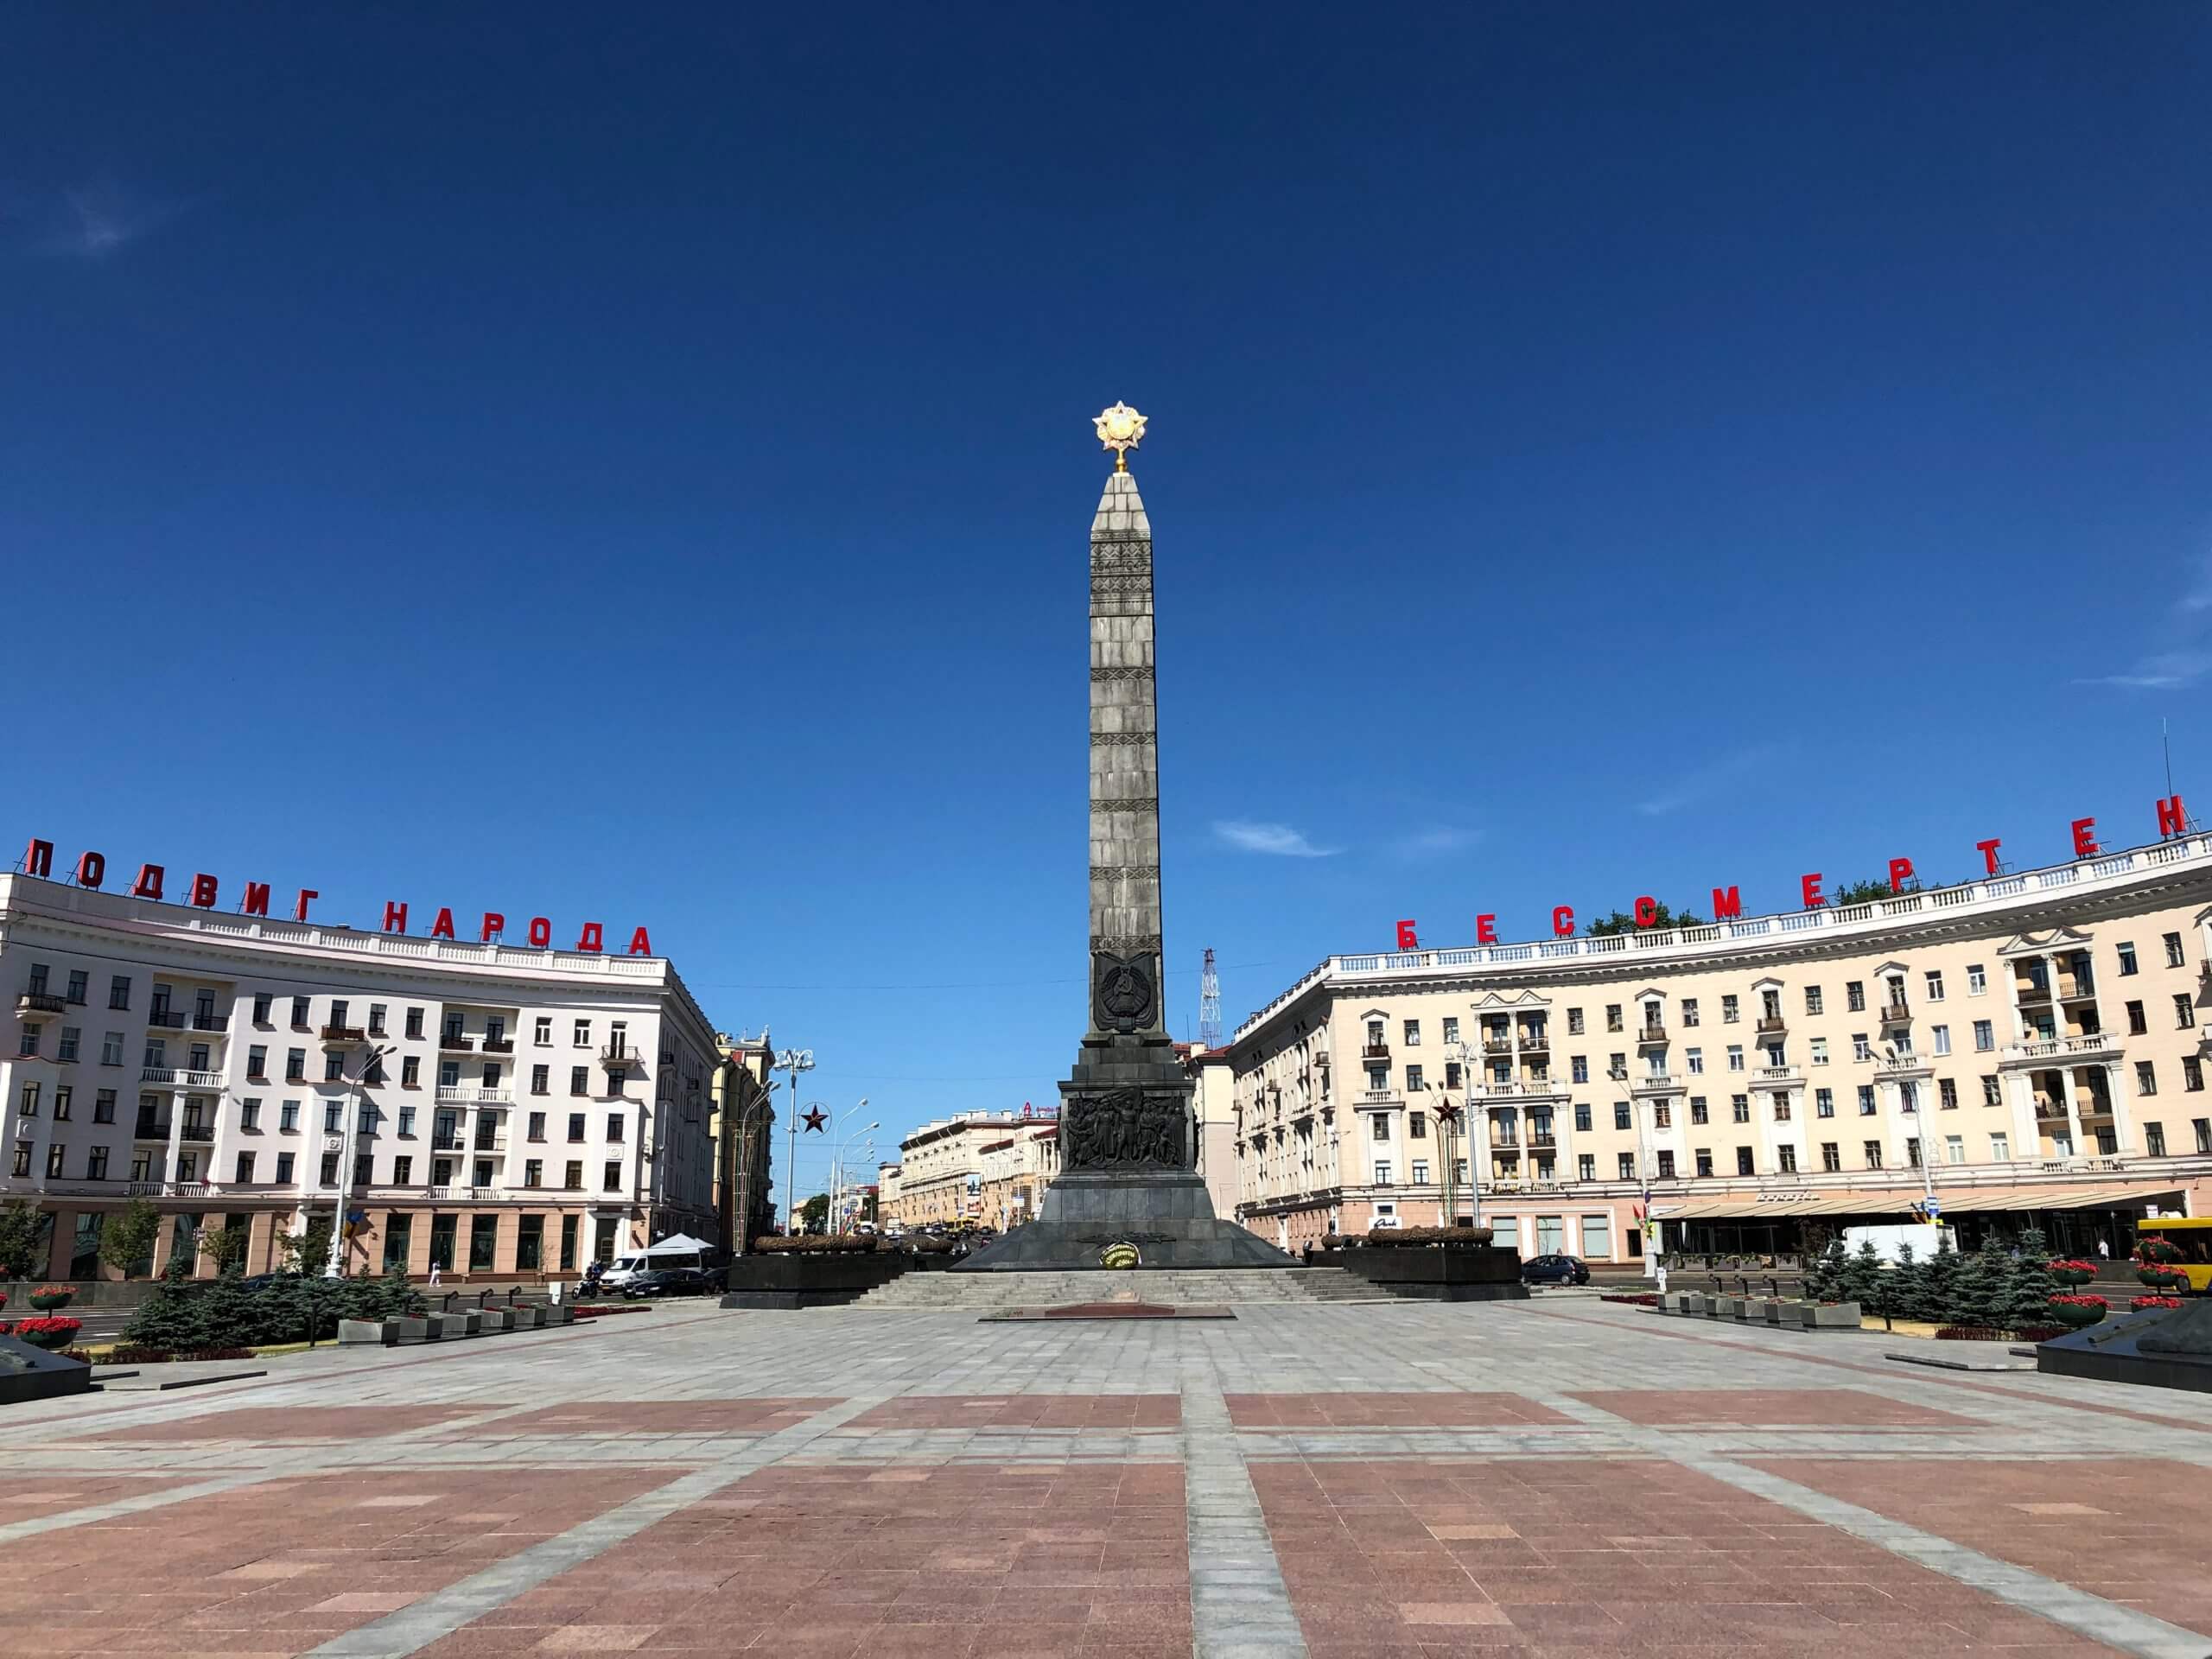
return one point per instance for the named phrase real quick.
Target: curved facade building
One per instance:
(2027, 1047)
(497, 1110)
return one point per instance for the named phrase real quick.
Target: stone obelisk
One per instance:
(1127, 1181)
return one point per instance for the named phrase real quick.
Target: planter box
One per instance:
(370, 1333)
(1771, 1311)
(496, 1319)
(1824, 1316)
(564, 1314)
(1451, 1273)
(829, 1279)
(406, 1332)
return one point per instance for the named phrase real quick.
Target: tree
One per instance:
(228, 1316)
(1971, 1292)
(308, 1250)
(225, 1245)
(1862, 1277)
(1825, 1275)
(1905, 1287)
(1939, 1282)
(814, 1214)
(1622, 922)
(1865, 892)
(22, 1229)
(2031, 1285)
(172, 1317)
(127, 1237)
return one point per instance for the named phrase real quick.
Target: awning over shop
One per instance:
(1973, 1200)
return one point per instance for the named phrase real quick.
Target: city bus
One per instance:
(2192, 1237)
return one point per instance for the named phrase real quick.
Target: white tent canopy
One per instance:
(678, 1245)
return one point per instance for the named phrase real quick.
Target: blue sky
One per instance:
(634, 464)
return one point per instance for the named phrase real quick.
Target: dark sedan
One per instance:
(1554, 1270)
(665, 1281)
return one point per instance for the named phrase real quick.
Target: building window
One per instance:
(1412, 1032)
(1382, 1172)
(1782, 1106)
(1735, 1057)
(1744, 1164)
(402, 1171)
(1942, 1035)
(75, 995)
(1414, 1083)
(537, 1126)
(1819, 1051)
(576, 1126)
(2154, 1140)
(103, 1106)
(1935, 986)
(1689, 1011)
(1661, 1116)
(1812, 999)
(1578, 1068)
(27, 1041)
(1417, 1126)
(1582, 1115)
(112, 1048)
(2184, 1011)
(300, 1013)
(1985, 1037)
(1666, 1164)
(1382, 1130)
(580, 1080)
(1451, 1028)
(1420, 1172)
(1627, 1165)
(1947, 1095)
(614, 1128)
(1873, 1151)
(1729, 1013)
(1585, 1166)
(1786, 1160)
(118, 991)
(285, 1163)
(1574, 1022)
(1704, 1163)
(288, 1117)
(411, 1071)
(1912, 1152)
(1739, 1108)
(1694, 1059)
(376, 1020)
(1613, 1016)
(572, 1177)
(334, 1066)
(2146, 1078)
(1620, 1115)
(2127, 967)
(329, 1169)
(2000, 1147)
(1697, 1109)
(334, 1118)
(1451, 1074)
(582, 1035)
(2174, 957)
(296, 1065)
(2192, 1074)
(2137, 1025)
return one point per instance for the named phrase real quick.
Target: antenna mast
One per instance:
(1210, 1004)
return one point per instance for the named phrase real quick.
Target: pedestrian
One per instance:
(2104, 1250)
(1663, 1276)
(434, 1275)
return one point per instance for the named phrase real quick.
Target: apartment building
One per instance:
(743, 1126)
(2026, 1047)
(985, 1168)
(492, 1110)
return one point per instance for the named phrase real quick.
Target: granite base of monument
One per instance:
(1167, 1218)
(2169, 1348)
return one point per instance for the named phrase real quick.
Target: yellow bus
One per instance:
(2192, 1237)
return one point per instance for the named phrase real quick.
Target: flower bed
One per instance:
(2076, 1313)
(2041, 1332)
(1391, 1238)
(49, 1299)
(1972, 1333)
(1635, 1298)
(45, 1334)
(2073, 1271)
(2159, 1250)
(128, 1356)
(2140, 1303)
(817, 1244)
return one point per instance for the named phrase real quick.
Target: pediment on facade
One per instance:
(1769, 983)
(1890, 968)
(1523, 1000)
(2035, 945)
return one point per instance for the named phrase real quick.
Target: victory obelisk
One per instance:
(1127, 1182)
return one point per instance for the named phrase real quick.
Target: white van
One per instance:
(623, 1268)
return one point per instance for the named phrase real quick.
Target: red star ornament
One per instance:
(814, 1120)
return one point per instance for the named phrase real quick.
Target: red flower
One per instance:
(2081, 1301)
(48, 1327)
(2140, 1302)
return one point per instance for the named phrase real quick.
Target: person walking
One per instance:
(434, 1275)
(2104, 1249)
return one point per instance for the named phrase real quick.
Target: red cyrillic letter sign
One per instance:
(1646, 910)
(1486, 929)
(541, 931)
(38, 858)
(300, 910)
(257, 898)
(1812, 887)
(494, 923)
(442, 928)
(1726, 902)
(91, 870)
(1563, 922)
(2085, 838)
(1407, 939)
(2172, 821)
(1988, 851)
(592, 938)
(1900, 873)
(203, 891)
(149, 884)
(395, 917)
(639, 944)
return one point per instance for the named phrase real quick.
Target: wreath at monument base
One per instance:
(1121, 1256)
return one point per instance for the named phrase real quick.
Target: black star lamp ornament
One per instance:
(814, 1119)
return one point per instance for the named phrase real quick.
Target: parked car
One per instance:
(664, 1281)
(1554, 1270)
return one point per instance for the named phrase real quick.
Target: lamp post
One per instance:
(794, 1061)
(335, 1267)
(837, 1165)
(747, 1126)
(1464, 1053)
(836, 1154)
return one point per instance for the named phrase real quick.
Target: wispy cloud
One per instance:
(2187, 658)
(1436, 842)
(1279, 839)
(96, 222)
(1691, 786)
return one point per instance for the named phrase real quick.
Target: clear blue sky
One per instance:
(635, 463)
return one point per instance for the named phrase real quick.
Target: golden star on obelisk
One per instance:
(1120, 428)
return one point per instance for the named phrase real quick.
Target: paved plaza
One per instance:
(1562, 1475)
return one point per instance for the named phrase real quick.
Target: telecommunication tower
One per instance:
(1210, 1004)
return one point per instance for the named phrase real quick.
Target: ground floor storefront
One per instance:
(506, 1242)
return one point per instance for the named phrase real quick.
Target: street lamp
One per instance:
(794, 1060)
(837, 1165)
(748, 1126)
(1465, 1055)
(335, 1267)
(836, 1154)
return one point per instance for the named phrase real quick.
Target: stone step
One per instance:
(1182, 1288)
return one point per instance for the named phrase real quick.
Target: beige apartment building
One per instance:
(2025, 1048)
(986, 1169)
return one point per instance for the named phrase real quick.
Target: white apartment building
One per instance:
(495, 1110)
(2025, 1047)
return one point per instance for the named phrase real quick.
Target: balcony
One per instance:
(1375, 1052)
(210, 1022)
(1656, 1083)
(1536, 1040)
(199, 1134)
(344, 1034)
(165, 1019)
(1905, 1062)
(619, 1059)
(1494, 1044)
(1766, 1075)
(1772, 1024)
(2062, 1051)
(151, 1129)
(448, 1143)
(1652, 1035)
(1898, 1013)
(1541, 1140)
(498, 1044)
(40, 1003)
(454, 1042)
(1546, 1088)
(450, 1094)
